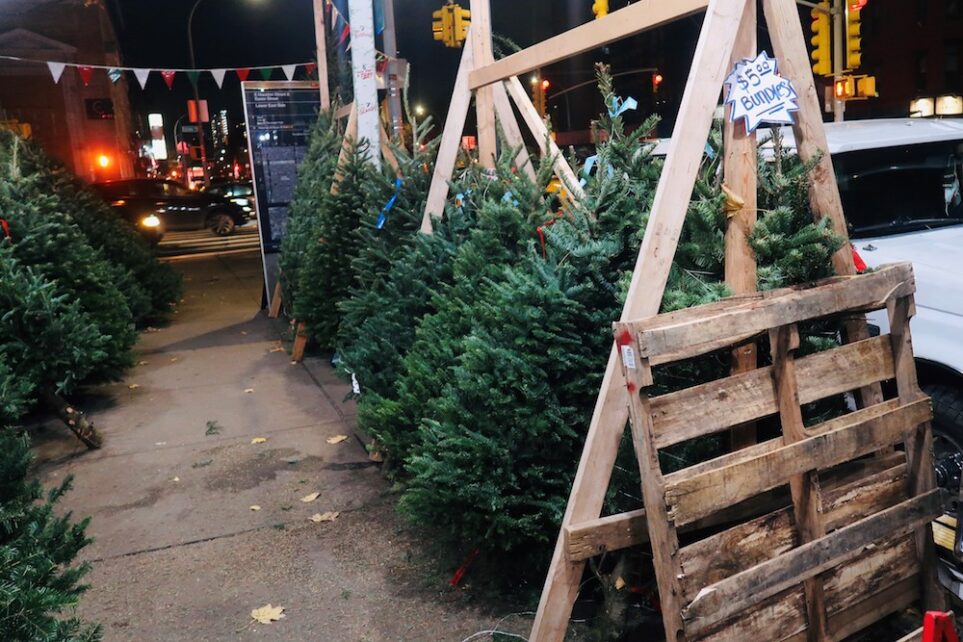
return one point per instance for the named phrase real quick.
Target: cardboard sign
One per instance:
(758, 94)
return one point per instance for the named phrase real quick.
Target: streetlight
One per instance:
(419, 110)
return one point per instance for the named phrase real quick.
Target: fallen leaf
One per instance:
(142, 363)
(619, 583)
(267, 614)
(329, 516)
(134, 386)
(277, 349)
(255, 507)
(249, 390)
(310, 498)
(201, 464)
(259, 440)
(173, 359)
(160, 443)
(243, 331)
(176, 479)
(337, 439)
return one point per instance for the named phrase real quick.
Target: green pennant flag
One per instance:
(193, 76)
(266, 72)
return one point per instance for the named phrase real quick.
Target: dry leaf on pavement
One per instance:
(267, 614)
(310, 498)
(259, 440)
(337, 439)
(255, 507)
(142, 363)
(329, 516)
(249, 390)
(134, 386)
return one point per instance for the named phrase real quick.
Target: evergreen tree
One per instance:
(39, 583)
(315, 175)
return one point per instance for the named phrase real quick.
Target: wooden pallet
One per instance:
(854, 544)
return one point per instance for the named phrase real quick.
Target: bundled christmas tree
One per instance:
(39, 583)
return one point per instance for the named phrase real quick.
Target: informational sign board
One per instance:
(758, 94)
(279, 116)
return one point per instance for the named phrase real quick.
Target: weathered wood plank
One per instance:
(737, 593)
(692, 495)
(699, 333)
(636, 18)
(611, 533)
(885, 564)
(717, 405)
(480, 40)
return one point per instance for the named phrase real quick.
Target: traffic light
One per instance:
(844, 88)
(600, 8)
(539, 87)
(656, 82)
(441, 26)
(822, 36)
(854, 44)
(461, 20)
(866, 87)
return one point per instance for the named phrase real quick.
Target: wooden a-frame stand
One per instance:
(728, 35)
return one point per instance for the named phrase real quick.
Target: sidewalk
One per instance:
(179, 555)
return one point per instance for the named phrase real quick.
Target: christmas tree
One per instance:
(39, 583)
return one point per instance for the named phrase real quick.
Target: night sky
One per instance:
(231, 33)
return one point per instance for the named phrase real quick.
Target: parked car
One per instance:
(176, 207)
(239, 193)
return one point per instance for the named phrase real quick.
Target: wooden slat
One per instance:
(636, 18)
(698, 333)
(915, 636)
(513, 136)
(480, 40)
(540, 132)
(692, 494)
(884, 564)
(300, 343)
(611, 533)
(450, 142)
(733, 595)
(873, 609)
(740, 547)
(780, 615)
(717, 405)
(275, 310)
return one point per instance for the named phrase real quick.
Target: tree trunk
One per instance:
(75, 419)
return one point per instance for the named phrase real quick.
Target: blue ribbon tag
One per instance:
(508, 198)
(711, 153)
(618, 106)
(383, 217)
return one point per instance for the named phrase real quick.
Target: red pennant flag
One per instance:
(86, 73)
(168, 76)
(310, 67)
(242, 73)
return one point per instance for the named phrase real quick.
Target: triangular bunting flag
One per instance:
(168, 77)
(193, 76)
(266, 72)
(142, 75)
(289, 71)
(115, 75)
(86, 73)
(56, 70)
(242, 73)
(218, 75)
(310, 68)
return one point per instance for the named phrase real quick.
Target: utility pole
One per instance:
(197, 97)
(838, 17)
(392, 72)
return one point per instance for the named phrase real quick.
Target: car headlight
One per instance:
(150, 221)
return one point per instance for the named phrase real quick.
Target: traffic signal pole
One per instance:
(838, 17)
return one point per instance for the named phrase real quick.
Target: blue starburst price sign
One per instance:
(759, 94)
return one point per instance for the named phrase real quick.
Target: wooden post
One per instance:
(275, 310)
(709, 68)
(322, 49)
(739, 172)
(513, 136)
(450, 142)
(480, 36)
(361, 17)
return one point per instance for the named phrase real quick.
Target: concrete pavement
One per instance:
(179, 555)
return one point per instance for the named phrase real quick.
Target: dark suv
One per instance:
(177, 207)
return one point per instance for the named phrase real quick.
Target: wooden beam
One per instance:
(545, 143)
(606, 534)
(636, 18)
(300, 343)
(388, 153)
(739, 173)
(732, 595)
(450, 143)
(275, 310)
(322, 51)
(513, 136)
(480, 40)
(645, 292)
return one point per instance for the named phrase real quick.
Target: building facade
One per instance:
(87, 127)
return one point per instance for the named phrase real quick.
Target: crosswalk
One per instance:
(201, 242)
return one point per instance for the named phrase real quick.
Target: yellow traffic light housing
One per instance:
(866, 87)
(822, 36)
(450, 24)
(844, 88)
(440, 26)
(854, 41)
(600, 8)
(461, 20)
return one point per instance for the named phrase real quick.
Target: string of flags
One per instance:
(86, 72)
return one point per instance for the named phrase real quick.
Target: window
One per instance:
(951, 66)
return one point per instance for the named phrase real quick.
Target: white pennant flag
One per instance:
(56, 70)
(142, 75)
(218, 75)
(289, 71)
